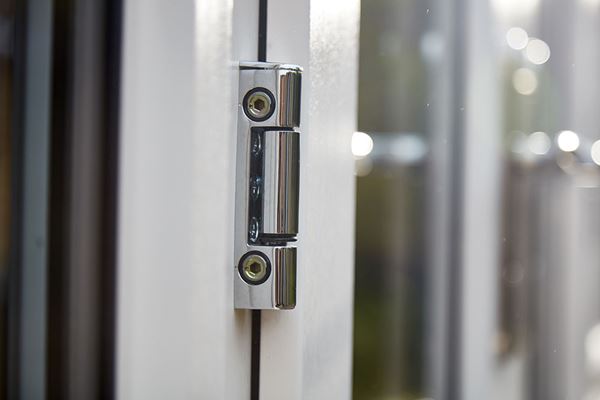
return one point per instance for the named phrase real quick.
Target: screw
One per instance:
(254, 268)
(259, 105)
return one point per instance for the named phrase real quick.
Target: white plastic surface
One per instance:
(307, 353)
(178, 334)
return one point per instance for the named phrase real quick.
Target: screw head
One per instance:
(259, 104)
(254, 268)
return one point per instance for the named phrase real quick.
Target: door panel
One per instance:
(306, 353)
(178, 334)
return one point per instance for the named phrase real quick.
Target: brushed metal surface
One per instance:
(321, 36)
(178, 335)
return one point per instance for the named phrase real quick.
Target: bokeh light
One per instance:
(539, 143)
(517, 38)
(568, 141)
(596, 152)
(525, 81)
(362, 144)
(511, 9)
(537, 51)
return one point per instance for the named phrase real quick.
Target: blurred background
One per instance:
(478, 200)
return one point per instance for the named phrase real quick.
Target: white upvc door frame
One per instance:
(178, 334)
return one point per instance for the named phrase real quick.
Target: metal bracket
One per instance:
(267, 186)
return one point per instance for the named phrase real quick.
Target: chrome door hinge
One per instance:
(267, 186)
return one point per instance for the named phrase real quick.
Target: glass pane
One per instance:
(478, 200)
(390, 265)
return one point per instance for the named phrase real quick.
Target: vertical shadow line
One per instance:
(256, 314)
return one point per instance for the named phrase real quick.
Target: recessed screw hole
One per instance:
(259, 105)
(255, 268)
